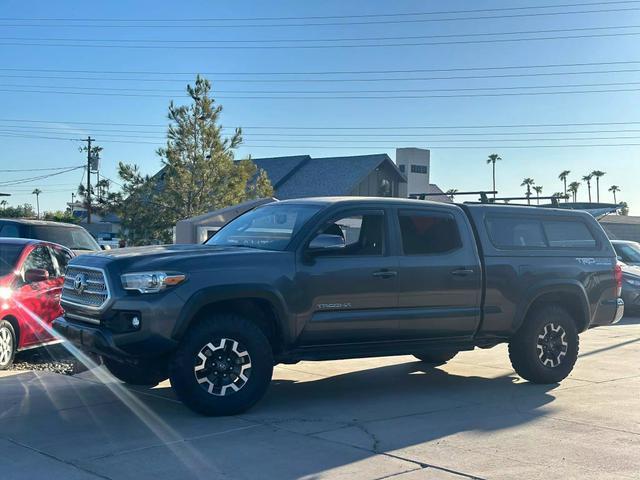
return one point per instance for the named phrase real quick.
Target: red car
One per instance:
(31, 280)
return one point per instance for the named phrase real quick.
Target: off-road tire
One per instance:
(147, 373)
(220, 331)
(9, 345)
(435, 358)
(525, 351)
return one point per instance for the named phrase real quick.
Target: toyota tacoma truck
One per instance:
(337, 278)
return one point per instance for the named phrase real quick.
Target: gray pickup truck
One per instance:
(335, 278)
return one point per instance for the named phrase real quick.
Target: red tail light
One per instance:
(617, 273)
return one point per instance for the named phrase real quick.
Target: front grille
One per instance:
(94, 291)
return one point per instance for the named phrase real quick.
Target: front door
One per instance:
(439, 275)
(350, 295)
(37, 303)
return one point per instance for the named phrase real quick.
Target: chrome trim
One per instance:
(619, 311)
(82, 318)
(85, 306)
(45, 344)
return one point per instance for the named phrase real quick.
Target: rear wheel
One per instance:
(8, 345)
(146, 373)
(545, 349)
(436, 358)
(223, 365)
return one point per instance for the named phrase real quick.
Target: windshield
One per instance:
(270, 227)
(74, 238)
(628, 252)
(8, 257)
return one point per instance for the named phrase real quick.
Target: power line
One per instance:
(328, 72)
(375, 15)
(315, 47)
(36, 169)
(20, 181)
(158, 23)
(307, 40)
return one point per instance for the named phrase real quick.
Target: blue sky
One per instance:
(51, 114)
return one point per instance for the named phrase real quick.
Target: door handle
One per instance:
(385, 274)
(462, 272)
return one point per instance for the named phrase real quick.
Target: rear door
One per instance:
(439, 274)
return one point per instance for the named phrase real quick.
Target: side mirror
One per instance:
(36, 275)
(325, 243)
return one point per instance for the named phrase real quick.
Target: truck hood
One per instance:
(174, 257)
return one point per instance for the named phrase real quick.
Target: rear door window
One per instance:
(428, 233)
(9, 230)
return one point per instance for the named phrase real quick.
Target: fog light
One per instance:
(135, 322)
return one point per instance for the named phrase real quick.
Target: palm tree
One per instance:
(598, 174)
(3, 204)
(563, 177)
(587, 178)
(528, 182)
(493, 158)
(451, 193)
(538, 190)
(614, 189)
(573, 189)
(37, 193)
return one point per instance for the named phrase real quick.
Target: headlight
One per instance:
(634, 282)
(5, 293)
(150, 282)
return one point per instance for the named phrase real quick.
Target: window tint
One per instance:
(8, 257)
(40, 258)
(9, 230)
(428, 233)
(61, 257)
(75, 238)
(515, 232)
(568, 234)
(363, 234)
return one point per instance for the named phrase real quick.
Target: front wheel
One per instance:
(146, 373)
(223, 365)
(436, 358)
(545, 349)
(8, 345)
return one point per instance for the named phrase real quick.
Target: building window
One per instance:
(401, 167)
(419, 169)
(385, 188)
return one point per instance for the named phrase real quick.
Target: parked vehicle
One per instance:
(628, 252)
(335, 278)
(74, 237)
(31, 278)
(631, 288)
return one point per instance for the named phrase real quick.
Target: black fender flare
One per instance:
(233, 292)
(572, 287)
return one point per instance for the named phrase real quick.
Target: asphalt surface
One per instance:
(358, 419)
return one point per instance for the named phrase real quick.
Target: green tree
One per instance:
(200, 172)
(538, 190)
(614, 189)
(451, 193)
(563, 177)
(528, 182)
(598, 174)
(624, 209)
(587, 178)
(21, 211)
(492, 159)
(60, 216)
(573, 189)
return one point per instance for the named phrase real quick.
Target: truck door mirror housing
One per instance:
(326, 243)
(36, 275)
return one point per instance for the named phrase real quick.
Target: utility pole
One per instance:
(73, 201)
(89, 140)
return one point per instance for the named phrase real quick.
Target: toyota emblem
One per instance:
(80, 282)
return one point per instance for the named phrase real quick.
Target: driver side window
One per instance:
(39, 258)
(363, 234)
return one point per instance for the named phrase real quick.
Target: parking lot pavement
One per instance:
(368, 418)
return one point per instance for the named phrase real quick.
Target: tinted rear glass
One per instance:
(8, 257)
(70, 237)
(428, 233)
(9, 230)
(517, 232)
